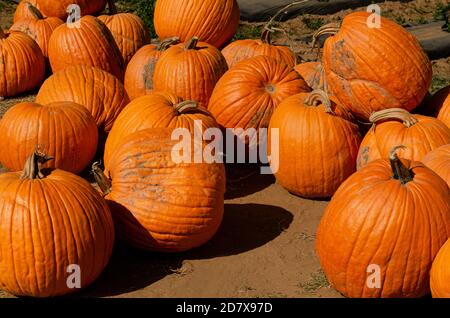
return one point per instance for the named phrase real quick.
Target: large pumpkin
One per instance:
(440, 273)
(247, 95)
(100, 92)
(59, 8)
(438, 160)
(211, 21)
(64, 130)
(156, 110)
(440, 104)
(375, 68)
(240, 50)
(391, 127)
(383, 228)
(312, 73)
(22, 65)
(140, 70)
(55, 226)
(190, 70)
(318, 144)
(23, 10)
(37, 27)
(158, 204)
(90, 43)
(128, 31)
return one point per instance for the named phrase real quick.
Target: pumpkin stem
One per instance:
(282, 11)
(191, 44)
(32, 168)
(166, 43)
(190, 106)
(34, 11)
(394, 113)
(102, 180)
(400, 172)
(265, 36)
(327, 29)
(317, 97)
(112, 7)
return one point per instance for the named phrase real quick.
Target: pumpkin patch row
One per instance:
(114, 99)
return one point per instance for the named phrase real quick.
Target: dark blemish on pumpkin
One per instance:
(363, 158)
(256, 118)
(149, 70)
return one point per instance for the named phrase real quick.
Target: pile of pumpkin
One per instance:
(113, 95)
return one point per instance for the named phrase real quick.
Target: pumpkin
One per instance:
(100, 92)
(383, 228)
(37, 27)
(247, 95)
(89, 44)
(158, 204)
(440, 103)
(420, 134)
(371, 69)
(140, 70)
(64, 130)
(214, 22)
(190, 70)
(59, 9)
(24, 10)
(51, 221)
(438, 160)
(128, 31)
(440, 273)
(318, 144)
(240, 50)
(312, 73)
(156, 110)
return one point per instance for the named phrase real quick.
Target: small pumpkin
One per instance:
(128, 31)
(440, 103)
(420, 134)
(248, 94)
(438, 160)
(440, 273)
(312, 73)
(23, 10)
(371, 240)
(139, 73)
(64, 130)
(214, 22)
(90, 43)
(158, 204)
(363, 65)
(190, 70)
(100, 92)
(318, 144)
(22, 65)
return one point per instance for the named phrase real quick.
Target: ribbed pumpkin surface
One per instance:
(440, 273)
(438, 160)
(440, 103)
(312, 73)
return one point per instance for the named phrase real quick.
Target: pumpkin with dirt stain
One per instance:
(90, 43)
(59, 8)
(438, 160)
(318, 144)
(22, 64)
(312, 73)
(214, 22)
(23, 10)
(190, 70)
(383, 228)
(440, 273)
(139, 73)
(159, 204)
(64, 130)
(420, 134)
(371, 69)
(100, 92)
(51, 221)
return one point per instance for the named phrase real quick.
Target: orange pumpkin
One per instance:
(318, 144)
(312, 73)
(247, 95)
(64, 130)
(214, 22)
(128, 31)
(23, 10)
(100, 92)
(37, 27)
(90, 43)
(158, 204)
(370, 69)
(438, 160)
(22, 65)
(420, 134)
(190, 70)
(59, 8)
(157, 110)
(440, 103)
(383, 228)
(54, 225)
(241, 50)
(140, 70)
(440, 273)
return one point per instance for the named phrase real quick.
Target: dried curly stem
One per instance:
(190, 106)
(191, 44)
(327, 29)
(102, 180)
(166, 43)
(407, 118)
(400, 172)
(317, 97)
(32, 168)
